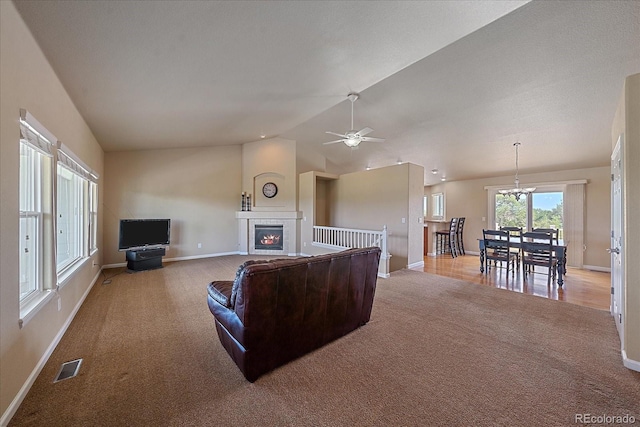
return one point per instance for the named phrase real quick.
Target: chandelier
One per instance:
(517, 191)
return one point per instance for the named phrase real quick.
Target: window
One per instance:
(31, 216)
(93, 217)
(510, 212)
(542, 209)
(425, 206)
(75, 198)
(55, 233)
(70, 218)
(35, 204)
(547, 211)
(437, 202)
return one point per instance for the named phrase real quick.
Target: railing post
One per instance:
(383, 267)
(384, 240)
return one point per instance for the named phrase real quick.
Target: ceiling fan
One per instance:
(353, 138)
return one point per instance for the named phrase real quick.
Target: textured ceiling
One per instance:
(450, 84)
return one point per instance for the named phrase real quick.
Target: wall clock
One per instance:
(269, 190)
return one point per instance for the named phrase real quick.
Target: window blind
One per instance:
(36, 135)
(67, 159)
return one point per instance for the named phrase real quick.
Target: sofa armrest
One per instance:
(220, 291)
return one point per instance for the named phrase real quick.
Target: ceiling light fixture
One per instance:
(434, 171)
(517, 192)
(443, 179)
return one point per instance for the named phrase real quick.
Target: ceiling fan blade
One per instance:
(337, 134)
(333, 142)
(369, 139)
(364, 131)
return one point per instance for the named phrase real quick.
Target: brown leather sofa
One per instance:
(276, 311)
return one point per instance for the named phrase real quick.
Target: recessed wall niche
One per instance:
(260, 201)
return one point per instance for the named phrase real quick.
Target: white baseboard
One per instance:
(597, 268)
(384, 276)
(17, 400)
(629, 363)
(120, 264)
(418, 264)
(187, 258)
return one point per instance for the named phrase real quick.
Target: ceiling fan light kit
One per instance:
(353, 138)
(517, 191)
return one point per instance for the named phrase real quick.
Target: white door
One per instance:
(617, 248)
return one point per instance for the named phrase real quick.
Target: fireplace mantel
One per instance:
(268, 215)
(247, 220)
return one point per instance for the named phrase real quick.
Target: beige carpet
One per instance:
(436, 352)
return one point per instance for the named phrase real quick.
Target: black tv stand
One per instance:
(144, 259)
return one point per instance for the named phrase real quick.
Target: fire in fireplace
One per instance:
(269, 237)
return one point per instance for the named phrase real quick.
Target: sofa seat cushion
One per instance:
(220, 291)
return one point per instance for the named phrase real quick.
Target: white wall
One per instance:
(27, 81)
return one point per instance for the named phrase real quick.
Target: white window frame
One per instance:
(36, 213)
(50, 278)
(437, 206)
(93, 217)
(40, 140)
(76, 226)
(68, 160)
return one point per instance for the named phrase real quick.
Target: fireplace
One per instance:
(269, 237)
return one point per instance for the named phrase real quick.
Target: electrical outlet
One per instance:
(199, 245)
(305, 244)
(404, 220)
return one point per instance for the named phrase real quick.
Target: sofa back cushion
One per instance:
(298, 305)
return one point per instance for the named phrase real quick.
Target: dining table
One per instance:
(559, 249)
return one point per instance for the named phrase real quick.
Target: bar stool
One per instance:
(459, 237)
(447, 239)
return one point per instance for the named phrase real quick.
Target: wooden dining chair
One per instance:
(537, 250)
(553, 231)
(555, 238)
(514, 233)
(497, 248)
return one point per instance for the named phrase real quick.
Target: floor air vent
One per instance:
(68, 370)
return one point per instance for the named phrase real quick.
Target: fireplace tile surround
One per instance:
(247, 220)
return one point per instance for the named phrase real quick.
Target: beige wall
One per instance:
(271, 160)
(371, 199)
(27, 81)
(197, 188)
(469, 199)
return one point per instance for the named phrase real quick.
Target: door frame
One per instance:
(617, 237)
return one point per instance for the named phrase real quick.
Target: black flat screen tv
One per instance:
(143, 233)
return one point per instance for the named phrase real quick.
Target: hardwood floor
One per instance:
(582, 287)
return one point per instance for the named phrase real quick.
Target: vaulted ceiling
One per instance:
(450, 84)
